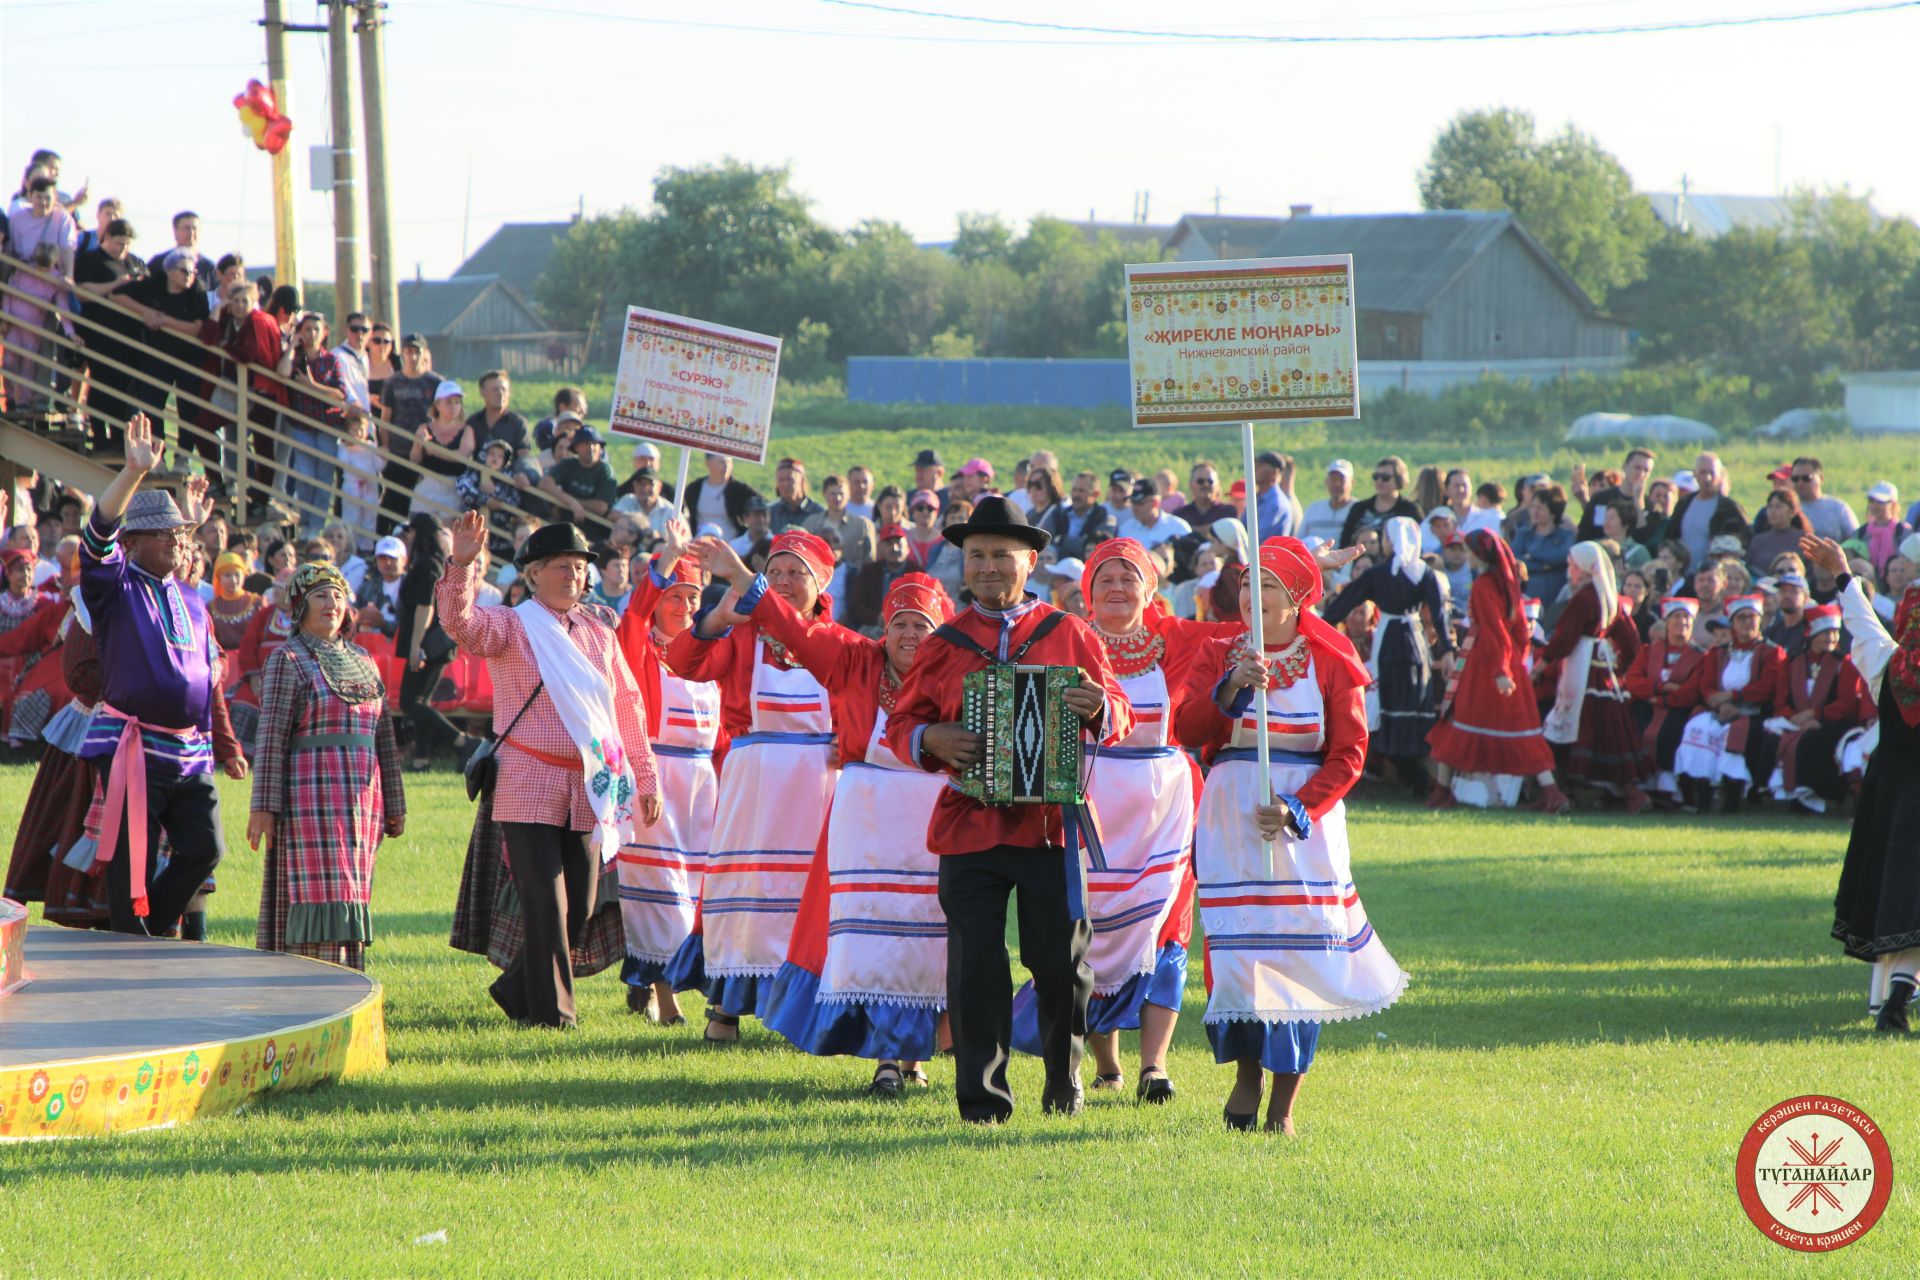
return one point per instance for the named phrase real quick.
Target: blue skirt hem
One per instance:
(857, 1029)
(1165, 985)
(1285, 1047)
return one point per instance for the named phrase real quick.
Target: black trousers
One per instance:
(188, 811)
(556, 875)
(431, 730)
(974, 888)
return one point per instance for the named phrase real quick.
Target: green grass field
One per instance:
(1599, 1010)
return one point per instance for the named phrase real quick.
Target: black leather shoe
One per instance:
(1893, 1020)
(1156, 1089)
(1068, 1101)
(1242, 1122)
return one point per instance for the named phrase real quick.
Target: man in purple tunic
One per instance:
(152, 733)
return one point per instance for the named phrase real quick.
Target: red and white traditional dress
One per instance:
(1144, 789)
(1806, 765)
(1664, 683)
(270, 628)
(41, 688)
(1492, 740)
(53, 821)
(662, 869)
(1289, 945)
(866, 968)
(774, 790)
(1593, 643)
(327, 766)
(1715, 750)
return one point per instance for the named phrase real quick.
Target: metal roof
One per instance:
(518, 252)
(1708, 216)
(1404, 261)
(434, 307)
(1228, 236)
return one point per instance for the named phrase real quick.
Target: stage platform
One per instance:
(113, 1033)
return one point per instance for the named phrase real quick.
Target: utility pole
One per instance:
(373, 89)
(346, 189)
(1216, 202)
(286, 226)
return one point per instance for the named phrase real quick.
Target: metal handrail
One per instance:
(239, 385)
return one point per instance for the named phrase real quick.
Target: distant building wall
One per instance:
(1087, 384)
(1507, 306)
(1883, 401)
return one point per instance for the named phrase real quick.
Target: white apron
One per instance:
(773, 799)
(661, 871)
(886, 934)
(1702, 752)
(1143, 793)
(1296, 947)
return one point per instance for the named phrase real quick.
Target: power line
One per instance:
(1220, 37)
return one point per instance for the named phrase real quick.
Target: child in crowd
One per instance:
(360, 466)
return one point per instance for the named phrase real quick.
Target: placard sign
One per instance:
(699, 385)
(1250, 340)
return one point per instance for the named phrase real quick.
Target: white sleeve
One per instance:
(1873, 646)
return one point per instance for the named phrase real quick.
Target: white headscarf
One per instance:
(1592, 557)
(1403, 535)
(1233, 534)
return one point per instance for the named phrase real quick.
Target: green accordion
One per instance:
(1031, 740)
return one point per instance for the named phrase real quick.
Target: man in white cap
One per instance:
(379, 598)
(1327, 516)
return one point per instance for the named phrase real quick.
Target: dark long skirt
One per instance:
(1876, 911)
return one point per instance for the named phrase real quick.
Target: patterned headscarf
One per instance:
(1128, 549)
(916, 593)
(1904, 667)
(347, 670)
(812, 551)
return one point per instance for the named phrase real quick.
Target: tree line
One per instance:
(1783, 309)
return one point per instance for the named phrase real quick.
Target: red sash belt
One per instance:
(127, 793)
(571, 763)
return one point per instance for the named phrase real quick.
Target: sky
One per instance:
(518, 110)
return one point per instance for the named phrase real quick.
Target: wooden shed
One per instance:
(475, 323)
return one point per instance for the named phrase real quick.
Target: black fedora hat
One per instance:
(553, 540)
(994, 514)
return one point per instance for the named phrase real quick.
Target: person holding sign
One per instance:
(779, 777)
(989, 850)
(1289, 945)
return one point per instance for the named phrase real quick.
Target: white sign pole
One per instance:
(680, 485)
(1257, 622)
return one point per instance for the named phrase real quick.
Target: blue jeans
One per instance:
(310, 472)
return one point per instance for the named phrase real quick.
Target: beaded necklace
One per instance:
(889, 688)
(1286, 664)
(1135, 653)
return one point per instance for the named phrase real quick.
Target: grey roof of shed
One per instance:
(518, 252)
(434, 307)
(1708, 216)
(1228, 235)
(1403, 262)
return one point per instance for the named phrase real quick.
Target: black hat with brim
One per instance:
(551, 540)
(994, 514)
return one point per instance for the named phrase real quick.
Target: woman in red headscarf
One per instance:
(661, 871)
(774, 787)
(1877, 908)
(1288, 944)
(866, 967)
(1490, 724)
(1140, 901)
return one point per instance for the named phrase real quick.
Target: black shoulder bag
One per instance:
(483, 769)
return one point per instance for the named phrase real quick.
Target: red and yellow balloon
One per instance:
(260, 118)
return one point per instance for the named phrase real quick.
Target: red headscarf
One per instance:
(813, 552)
(1493, 551)
(686, 573)
(1127, 549)
(916, 593)
(1289, 560)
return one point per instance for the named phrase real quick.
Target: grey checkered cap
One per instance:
(151, 511)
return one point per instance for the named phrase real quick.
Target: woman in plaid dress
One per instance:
(326, 783)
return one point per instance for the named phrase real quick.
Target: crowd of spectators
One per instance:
(385, 449)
